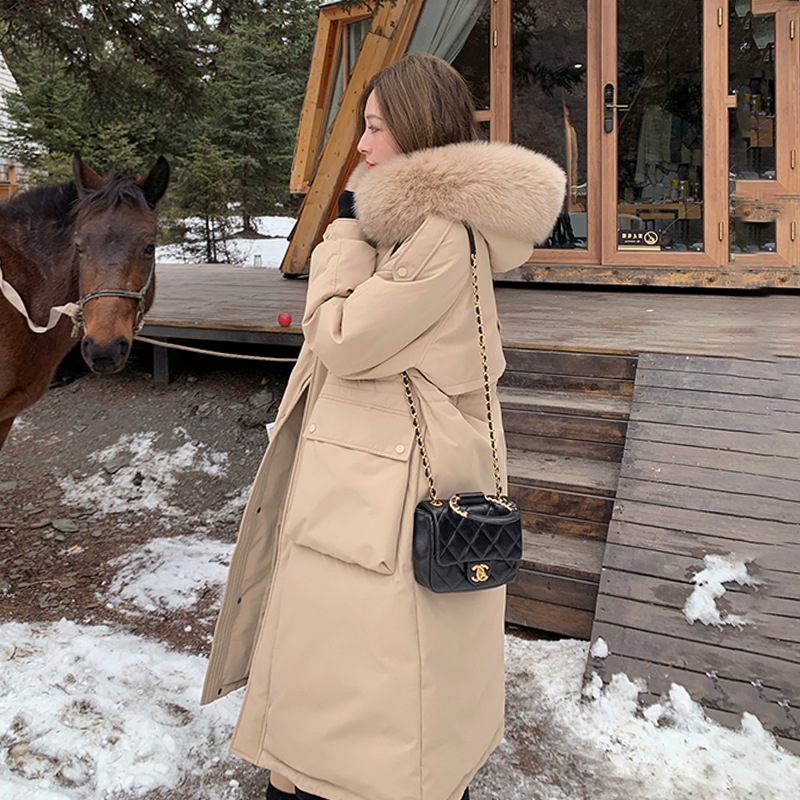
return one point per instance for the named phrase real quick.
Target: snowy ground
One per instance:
(245, 251)
(103, 703)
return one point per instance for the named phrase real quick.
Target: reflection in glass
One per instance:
(753, 237)
(473, 59)
(548, 102)
(751, 61)
(660, 134)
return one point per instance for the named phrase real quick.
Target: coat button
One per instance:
(312, 428)
(402, 272)
(400, 449)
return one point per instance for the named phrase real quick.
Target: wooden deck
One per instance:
(196, 298)
(711, 466)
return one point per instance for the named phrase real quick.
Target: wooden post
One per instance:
(160, 365)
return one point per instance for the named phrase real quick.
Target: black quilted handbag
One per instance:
(474, 540)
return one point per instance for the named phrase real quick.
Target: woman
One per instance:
(362, 684)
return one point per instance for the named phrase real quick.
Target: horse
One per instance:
(90, 241)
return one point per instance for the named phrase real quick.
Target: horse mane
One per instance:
(61, 201)
(118, 189)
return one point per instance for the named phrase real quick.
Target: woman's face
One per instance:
(377, 144)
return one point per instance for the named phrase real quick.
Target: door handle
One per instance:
(610, 107)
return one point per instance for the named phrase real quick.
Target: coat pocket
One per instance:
(352, 482)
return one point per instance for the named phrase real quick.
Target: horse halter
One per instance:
(78, 319)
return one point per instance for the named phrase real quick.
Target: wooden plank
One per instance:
(670, 566)
(579, 404)
(563, 526)
(735, 442)
(573, 622)
(768, 615)
(593, 451)
(562, 472)
(756, 486)
(567, 556)
(564, 504)
(655, 396)
(706, 365)
(749, 506)
(554, 589)
(566, 426)
(696, 545)
(774, 673)
(700, 419)
(724, 694)
(704, 522)
(592, 273)
(749, 463)
(708, 382)
(578, 364)
(670, 622)
(571, 383)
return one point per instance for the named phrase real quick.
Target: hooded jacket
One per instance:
(362, 684)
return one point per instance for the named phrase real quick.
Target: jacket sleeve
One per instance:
(356, 320)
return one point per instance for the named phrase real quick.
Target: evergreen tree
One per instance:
(257, 96)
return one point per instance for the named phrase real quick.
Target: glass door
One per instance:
(764, 123)
(664, 170)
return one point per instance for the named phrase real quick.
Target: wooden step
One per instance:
(563, 473)
(558, 402)
(565, 426)
(565, 434)
(566, 556)
(562, 362)
(572, 383)
(566, 371)
(556, 589)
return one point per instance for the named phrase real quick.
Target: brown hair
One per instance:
(425, 103)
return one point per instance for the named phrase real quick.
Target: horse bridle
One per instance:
(79, 321)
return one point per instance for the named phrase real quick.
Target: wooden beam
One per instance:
(386, 41)
(313, 106)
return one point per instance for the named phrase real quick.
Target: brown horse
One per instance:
(90, 242)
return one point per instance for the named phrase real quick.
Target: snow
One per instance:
(271, 251)
(562, 744)
(600, 648)
(89, 711)
(136, 476)
(169, 573)
(701, 604)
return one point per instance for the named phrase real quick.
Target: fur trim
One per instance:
(496, 187)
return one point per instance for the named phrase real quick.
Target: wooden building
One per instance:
(649, 432)
(678, 125)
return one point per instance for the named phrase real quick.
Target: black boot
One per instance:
(277, 794)
(301, 795)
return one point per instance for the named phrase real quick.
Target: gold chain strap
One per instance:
(487, 394)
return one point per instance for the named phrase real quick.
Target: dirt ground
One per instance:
(56, 555)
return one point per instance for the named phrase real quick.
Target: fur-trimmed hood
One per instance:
(510, 194)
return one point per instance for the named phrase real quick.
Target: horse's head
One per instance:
(115, 240)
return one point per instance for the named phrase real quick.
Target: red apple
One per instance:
(284, 320)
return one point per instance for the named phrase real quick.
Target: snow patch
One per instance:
(701, 604)
(86, 712)
(270, 251)
(138, 477)
(170, 573)
(230, 511)
(563, 743)
(599, 648)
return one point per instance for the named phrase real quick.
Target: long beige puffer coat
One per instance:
(361, 684)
